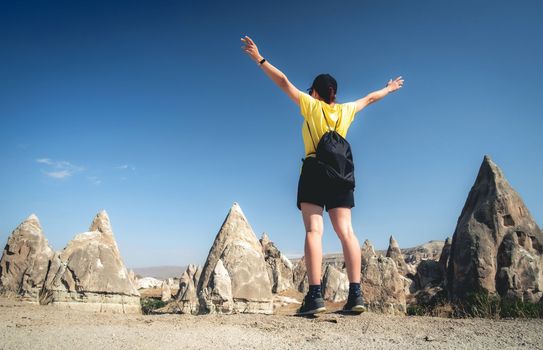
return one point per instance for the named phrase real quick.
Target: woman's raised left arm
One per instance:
(278, 77)
(375, 96)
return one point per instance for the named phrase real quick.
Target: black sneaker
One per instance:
(311, 306)
(354, 305)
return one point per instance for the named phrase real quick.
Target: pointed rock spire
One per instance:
(367, 251)
(25, 260)
(240, 254)
(264, 240)
(165, 291)
(299, 276)
(101, 223)
(90, 274)
(393, 250)
(33, 219)
(395, 253)
(381, 283)
(132, 277)
(444, 257)
(483, 246)
(279, 267)
(186, 296)
(393, 244)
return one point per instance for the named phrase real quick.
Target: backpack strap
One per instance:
(311, 136)
(326, 120)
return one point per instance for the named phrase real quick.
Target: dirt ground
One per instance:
(29, 326)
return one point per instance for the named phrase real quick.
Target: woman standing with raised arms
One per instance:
(316, 190)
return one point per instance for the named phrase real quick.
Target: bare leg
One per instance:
(312, 215)
(341, 221)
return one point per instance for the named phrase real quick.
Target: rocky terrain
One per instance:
(27, 326)
(87, 274)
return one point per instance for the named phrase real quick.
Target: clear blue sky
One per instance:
(150, 110)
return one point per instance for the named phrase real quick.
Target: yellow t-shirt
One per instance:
(311, 109)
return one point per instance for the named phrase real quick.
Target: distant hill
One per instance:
(160, 272)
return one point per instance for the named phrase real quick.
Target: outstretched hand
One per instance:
(251, 49)
(395, 84)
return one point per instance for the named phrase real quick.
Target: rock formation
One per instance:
(132, 277)
(395, 254)
(186, 296)
(366, 252)
(444, 257)
(428, 251)
(497, 246)
(165, 291)
(520, 267)
(335, 284)
(429, 274)
(381, 283)
(147, 283)
(337, 260)
(234, 278)
(89, 274)
(279, 266)
(281, 300)
(25, 260)
(217, 297)
(299, 278)
(173, 283)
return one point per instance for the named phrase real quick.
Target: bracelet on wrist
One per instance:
(261, 61)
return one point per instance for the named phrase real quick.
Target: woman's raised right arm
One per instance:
(278, 77)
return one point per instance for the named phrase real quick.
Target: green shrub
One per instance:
(478, 304)
(519, 309)
(434, 305)
(149, 305)
(475, 304)
(416, 310)
(482, 304)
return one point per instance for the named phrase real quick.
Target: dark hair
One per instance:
(326, 87)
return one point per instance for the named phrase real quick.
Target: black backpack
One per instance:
(335, 157)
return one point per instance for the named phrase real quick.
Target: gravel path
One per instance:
(29, 326)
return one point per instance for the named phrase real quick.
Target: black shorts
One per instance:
(315, 188)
